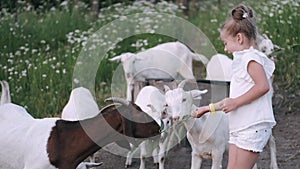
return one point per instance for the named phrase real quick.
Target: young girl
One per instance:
(250, 103)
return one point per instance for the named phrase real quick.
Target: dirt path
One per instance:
(287, 136)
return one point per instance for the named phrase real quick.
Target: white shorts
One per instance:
(252, 139)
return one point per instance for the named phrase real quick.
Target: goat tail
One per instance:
(272, 146)
(5, 95)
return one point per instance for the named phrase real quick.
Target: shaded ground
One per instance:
(286, 133)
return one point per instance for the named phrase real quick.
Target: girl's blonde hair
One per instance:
(241, 21)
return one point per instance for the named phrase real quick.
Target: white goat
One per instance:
(264, 44)
(155, 63)
(152, 101)
(207, 135)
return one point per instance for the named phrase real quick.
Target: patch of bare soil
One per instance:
(286, 133)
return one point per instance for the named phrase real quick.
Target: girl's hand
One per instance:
(229, 104)
(198, 112)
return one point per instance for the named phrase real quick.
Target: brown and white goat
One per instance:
(50, 143)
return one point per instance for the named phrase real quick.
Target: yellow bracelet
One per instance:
(212, 108)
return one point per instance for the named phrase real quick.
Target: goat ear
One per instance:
(122, 57)
(196, 94)
(117, 58)
(276, 47)
(265, 36)
(152, 107)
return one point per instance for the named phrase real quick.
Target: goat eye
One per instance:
(183, 100)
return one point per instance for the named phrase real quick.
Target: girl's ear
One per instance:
(240, 38)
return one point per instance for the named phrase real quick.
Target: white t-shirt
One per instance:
(259, 110)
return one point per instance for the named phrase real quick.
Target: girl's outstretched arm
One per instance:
(199, 111)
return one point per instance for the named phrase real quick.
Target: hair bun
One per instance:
(241, 12)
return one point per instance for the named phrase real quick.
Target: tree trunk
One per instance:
(75, 5)
(94, 7)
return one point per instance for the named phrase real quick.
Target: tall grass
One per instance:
(36, 58)
(38, 50)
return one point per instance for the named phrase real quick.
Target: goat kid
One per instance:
(152, 101)
(154, 63)
(206, 142)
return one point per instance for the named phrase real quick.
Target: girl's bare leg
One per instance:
(241, 159)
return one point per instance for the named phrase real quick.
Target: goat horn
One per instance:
(118, 100)
(182, 83)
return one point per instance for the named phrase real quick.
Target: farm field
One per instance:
(40, 46)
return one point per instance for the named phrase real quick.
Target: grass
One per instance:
(39, 49)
